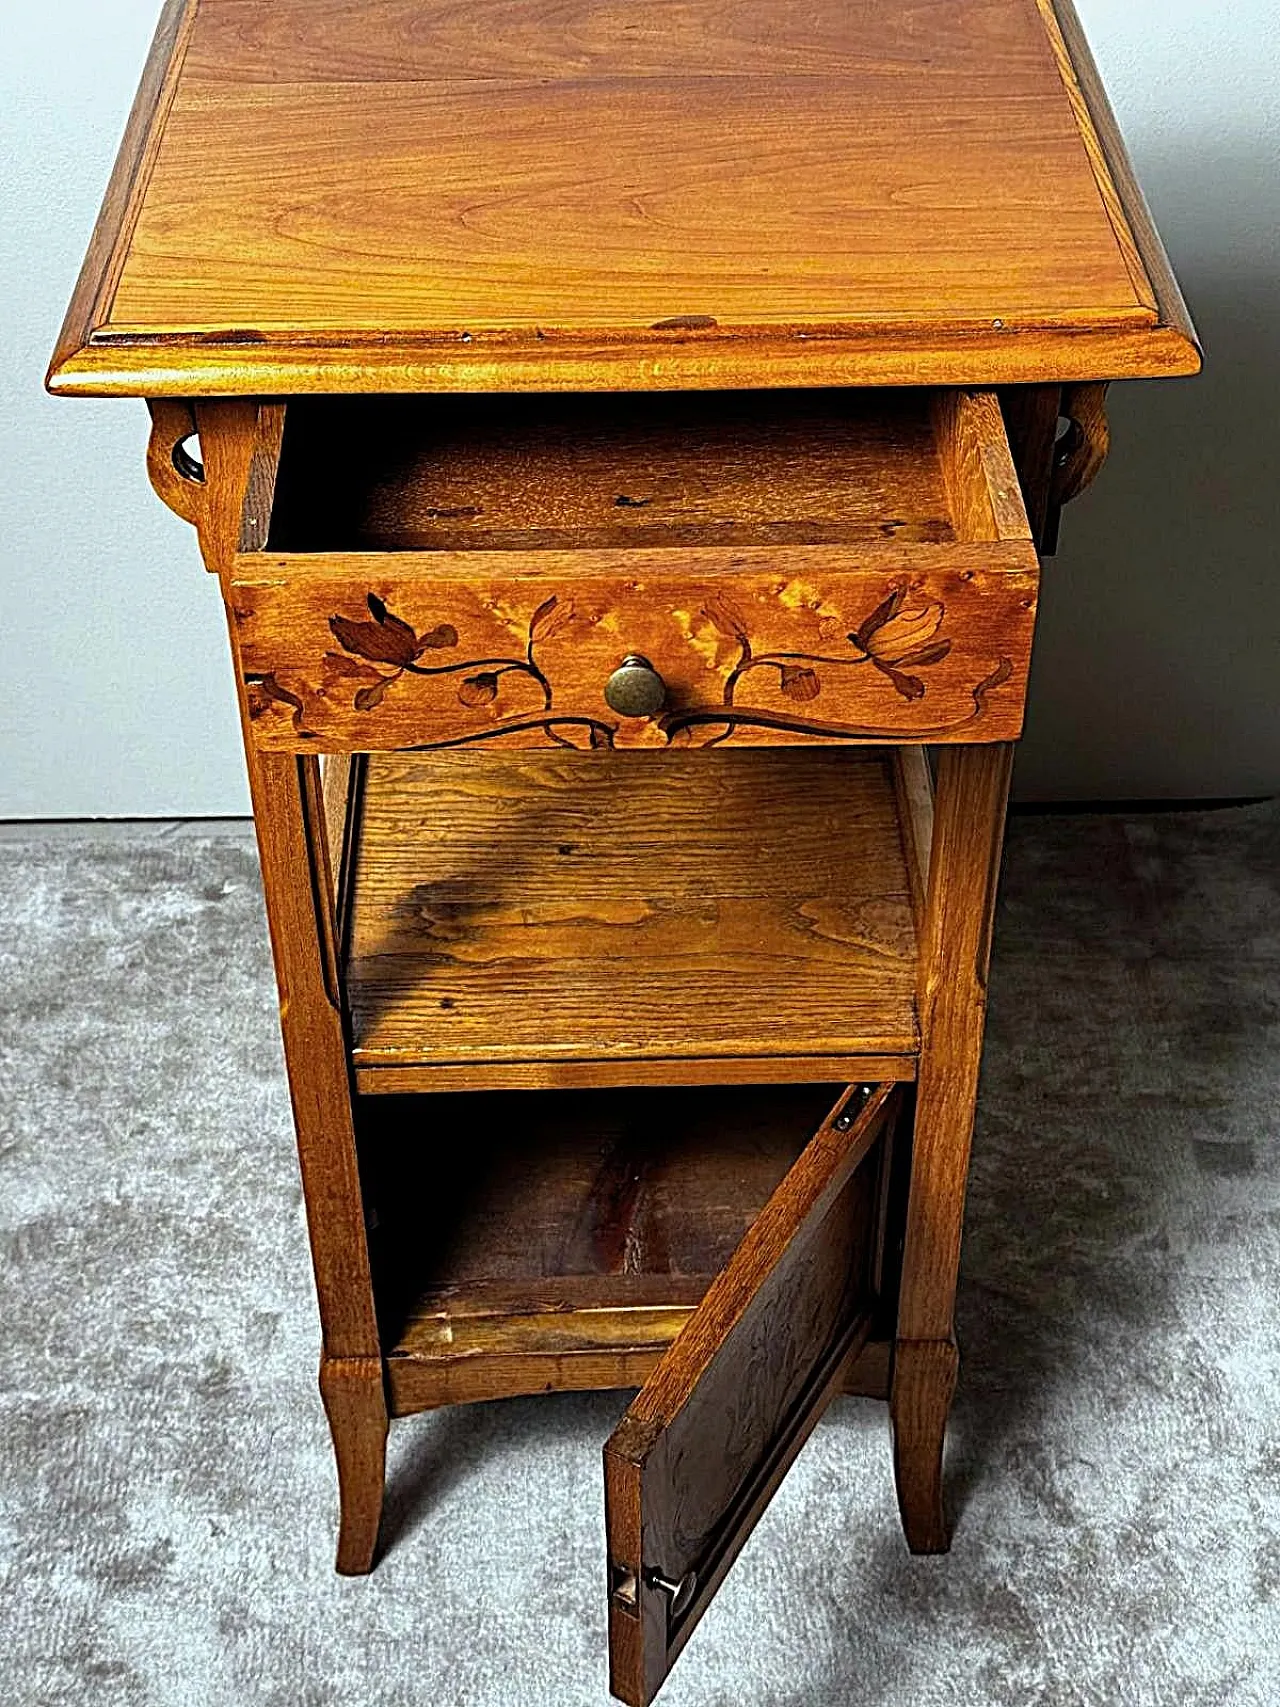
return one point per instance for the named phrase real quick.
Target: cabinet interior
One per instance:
(579, 1228)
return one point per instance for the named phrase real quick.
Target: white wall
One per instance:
(1157, 668)
(1159, 647)
(117, 693)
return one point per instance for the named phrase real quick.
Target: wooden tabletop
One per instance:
(391, 195)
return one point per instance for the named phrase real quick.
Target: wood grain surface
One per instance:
(561, 1240)
(754, 645)
(300, 871)
(514, 473)
(705, 1444)
(511, 909)
(971, 796)
(580, 197)
(476, 571)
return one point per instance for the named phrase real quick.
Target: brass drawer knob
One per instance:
(635, 689)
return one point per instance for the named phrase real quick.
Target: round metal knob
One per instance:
(679, 1595)
(635, 689)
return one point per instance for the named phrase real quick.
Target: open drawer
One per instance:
(727, 1250)
(634, 572)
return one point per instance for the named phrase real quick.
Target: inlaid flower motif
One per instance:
(395, 645)
(898, 637)
(388, 639)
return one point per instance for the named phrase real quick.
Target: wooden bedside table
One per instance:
(624, 437)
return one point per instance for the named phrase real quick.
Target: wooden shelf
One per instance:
(562, 1240)
(522, 920)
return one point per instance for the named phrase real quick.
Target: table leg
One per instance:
(972, 788)
(298, 882)
(289, 815)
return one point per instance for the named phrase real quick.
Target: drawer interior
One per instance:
(602, 472)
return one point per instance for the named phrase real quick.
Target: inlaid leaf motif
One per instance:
(479, 689)
(549, 618)
(367, 698)
(887, 608)
(931, 654)
(799, 682)
(997, 678)
(910, 687)
(726, 618)
(435, 639)
(389, 642)
(264, 691)
(380, 614)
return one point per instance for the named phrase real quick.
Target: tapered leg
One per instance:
(972, 789)
(924, 1379)
(356, 1406)
(289, 810)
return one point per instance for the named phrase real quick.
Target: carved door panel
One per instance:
(710, 1436)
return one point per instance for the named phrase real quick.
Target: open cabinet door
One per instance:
(711, 1434)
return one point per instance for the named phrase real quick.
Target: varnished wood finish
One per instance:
(1084, 450)
(512, 909)
(977, 469)
(757, 646)
(561, 1241)
(882, 587)
(589, 1075)
(300, 891)
(285, 811)
(914, 783)
(582, 473)
(705, 1444)
(502, 200)
(182, 488)
(356, 1405)
(510, 199)
(342, 782)
(972, 788)
(1031, 414)
(923, 1383)
(240, 444)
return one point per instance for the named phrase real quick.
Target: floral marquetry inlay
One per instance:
(750, 659)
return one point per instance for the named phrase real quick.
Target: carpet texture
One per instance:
(168, 1494)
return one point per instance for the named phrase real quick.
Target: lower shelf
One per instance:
(526, 1244)
(537, 920)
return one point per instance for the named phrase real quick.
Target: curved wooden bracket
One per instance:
(177, 476)
(1079, 454)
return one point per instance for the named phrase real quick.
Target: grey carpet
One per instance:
(168, 1502)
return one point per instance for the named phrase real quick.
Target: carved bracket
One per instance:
(175, 471)
(1079, 454)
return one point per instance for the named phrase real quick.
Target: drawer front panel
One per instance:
(383, 652)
